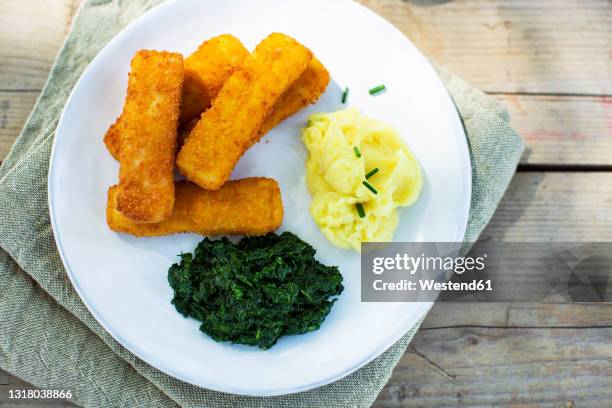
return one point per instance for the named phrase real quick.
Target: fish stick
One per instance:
(112, 138)
(148, 136)
(211, 65)
(251, 206)
(206, 70)
(307, 90)
(228, 128)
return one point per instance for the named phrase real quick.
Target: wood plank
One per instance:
(30, 36)
(519, 315)
(557, 130)
(553, 46)
(566, 130)
(555, 207)
(416, 383)
(15, 108)
(544, 355)
(486, 367)
(557, 46)
(4, 377)
(14, 383)
(573, 203)
(515, 316)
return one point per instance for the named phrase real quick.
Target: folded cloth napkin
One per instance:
(48, 337)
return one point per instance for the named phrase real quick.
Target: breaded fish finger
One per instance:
(148, 136)
(251, 206)
(112, 138)
(206, 70)
(307, 90)
(228, 128)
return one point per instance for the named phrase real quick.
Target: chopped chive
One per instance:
(377, 89)
(370, 174)
(369, 187)
(357, 151)
(345, 95)
(360, 210)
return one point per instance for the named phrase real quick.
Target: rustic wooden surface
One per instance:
(550, 63)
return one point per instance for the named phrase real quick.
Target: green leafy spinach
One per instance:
(255, 291)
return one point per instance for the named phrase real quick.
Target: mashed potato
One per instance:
(343, 148)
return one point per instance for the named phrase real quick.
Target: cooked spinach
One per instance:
(255, 291)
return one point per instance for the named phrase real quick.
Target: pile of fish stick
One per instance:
(199, 115)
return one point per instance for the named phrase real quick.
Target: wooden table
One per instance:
(550, 63)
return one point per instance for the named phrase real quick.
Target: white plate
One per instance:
(123, 280)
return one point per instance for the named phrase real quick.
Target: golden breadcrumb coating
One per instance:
(206, 70)
(251, 206)
(148, 136)
(229, 127)
(112, 138)
(307, 90)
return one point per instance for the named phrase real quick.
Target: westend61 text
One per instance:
(432, 285)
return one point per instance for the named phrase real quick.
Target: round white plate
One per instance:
(123, 280)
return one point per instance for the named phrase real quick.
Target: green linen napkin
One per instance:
(47, 336)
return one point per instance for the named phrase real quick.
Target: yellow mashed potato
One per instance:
(335, 176)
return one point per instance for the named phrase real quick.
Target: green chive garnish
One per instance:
(377, 89)
(360, 210)
(369, 187)
(370, 174)
(345, 95)
(357, 151)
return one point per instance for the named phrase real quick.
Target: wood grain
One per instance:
(8, 382)
(512, 354)
(581, 203)
(500, 46)
(549, 62)
(555, 207)
(4, 378)
(31, 33)
(14, 110)
(30, 36)
(519, 315)
(558, 130)
(562, 130)
(490, 367)
(552, 46)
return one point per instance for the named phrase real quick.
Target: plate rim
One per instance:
(421, 312)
